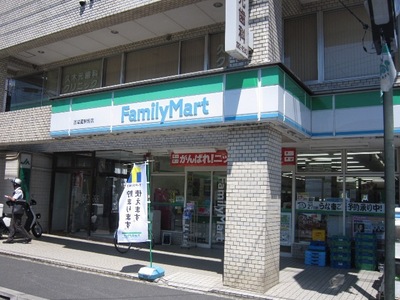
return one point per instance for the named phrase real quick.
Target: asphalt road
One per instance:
(53, 282)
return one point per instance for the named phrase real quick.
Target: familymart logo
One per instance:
(158, 111)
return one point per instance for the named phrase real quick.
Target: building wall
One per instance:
(252, 236)
(23, 126)
(40, 185)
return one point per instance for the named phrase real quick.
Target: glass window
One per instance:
(286, 190)
(365, 161)
(167, 193)
(300, 40)
(152, 63)
(32, 91)
(344, 45)
(218, 57)
(51, 84)
(365, 189)
(319, 206)
(112, 70)
(81, 77)
(192, 55)
(327, 161)
(63, 160)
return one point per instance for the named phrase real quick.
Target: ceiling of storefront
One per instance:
(163, 24)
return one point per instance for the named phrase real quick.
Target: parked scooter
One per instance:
(31, 223)
(32, 220)
(5, 221)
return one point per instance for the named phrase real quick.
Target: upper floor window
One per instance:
(176, 58)
(300, 39)
(112, 70)
(330, 45)
(152, 63)
(32, 91)
(344, 43)
(81, 77)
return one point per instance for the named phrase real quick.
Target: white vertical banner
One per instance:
(133, 208)
(388, 71)
(237, 28)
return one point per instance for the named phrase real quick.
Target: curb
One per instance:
(15, 295)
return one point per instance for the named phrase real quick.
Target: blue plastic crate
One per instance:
(315, 258)
(366, 266)
(339, 241)
(366, 251)
(365, 236)
(341, 257)
(341, 264)
(340, 249)
(365, 259)
(360, 244)
(340, 238)
(317, 246)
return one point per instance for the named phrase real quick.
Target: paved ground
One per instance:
(198, 269)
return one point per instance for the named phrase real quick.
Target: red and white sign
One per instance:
(288, 156)
(219, 158)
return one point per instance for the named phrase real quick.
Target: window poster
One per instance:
(286, 224)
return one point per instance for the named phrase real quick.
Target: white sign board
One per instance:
(237, 28)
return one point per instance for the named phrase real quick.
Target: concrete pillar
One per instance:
(267, 25)
(252, 236)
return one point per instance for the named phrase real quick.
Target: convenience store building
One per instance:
(266, 150)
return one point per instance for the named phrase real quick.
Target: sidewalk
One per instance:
(198, 269)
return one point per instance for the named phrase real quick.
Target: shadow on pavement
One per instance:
(198, 258)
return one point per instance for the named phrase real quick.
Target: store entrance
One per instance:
(206, 190)
(71, 206)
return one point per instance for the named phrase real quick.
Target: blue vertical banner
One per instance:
(133, 208)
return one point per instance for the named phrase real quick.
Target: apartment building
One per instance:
(268, 143)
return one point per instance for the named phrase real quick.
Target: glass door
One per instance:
(198, 192)
(61, 196)
(80, 212)
(206, 190)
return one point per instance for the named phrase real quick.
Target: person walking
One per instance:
(18, 208)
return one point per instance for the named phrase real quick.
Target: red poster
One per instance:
(288, 156)
(219, 158)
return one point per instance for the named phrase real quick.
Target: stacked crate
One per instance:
(340, 252)
(365, 251)
(316, 254)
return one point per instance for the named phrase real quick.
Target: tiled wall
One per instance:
(252, 234)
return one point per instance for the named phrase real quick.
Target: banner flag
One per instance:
(388, 71)
(133, 208)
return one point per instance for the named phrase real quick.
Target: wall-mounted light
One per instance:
(217, 4)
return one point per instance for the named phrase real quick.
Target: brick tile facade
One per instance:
(251, 257)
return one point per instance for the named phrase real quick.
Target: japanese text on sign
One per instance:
(354, 207)
(237, 29)
(219, 158)
(288, 156)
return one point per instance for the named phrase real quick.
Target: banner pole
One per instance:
(150, 273)
(149, 218)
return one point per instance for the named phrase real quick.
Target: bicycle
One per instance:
(121, 247)
(126, 246)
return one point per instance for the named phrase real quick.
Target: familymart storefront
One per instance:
(243, 117)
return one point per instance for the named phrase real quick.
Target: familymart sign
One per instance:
(119, 111)
(253, 96)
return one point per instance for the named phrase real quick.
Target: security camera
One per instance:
(82, 2)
